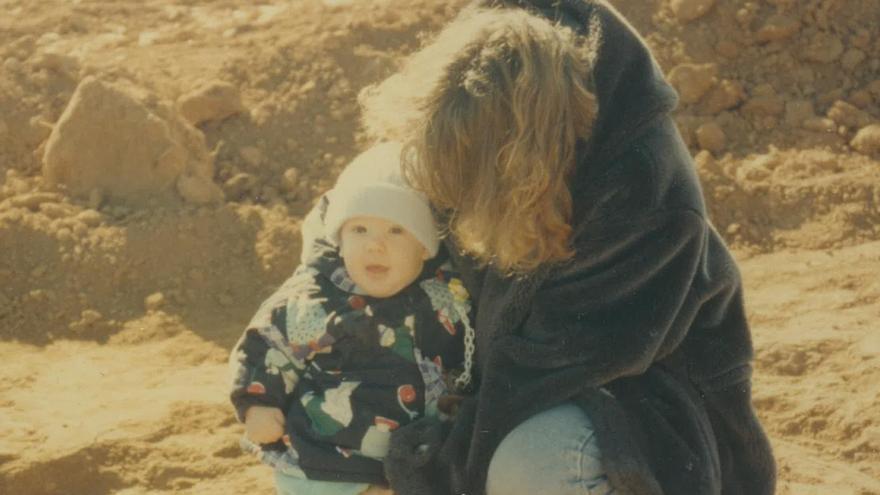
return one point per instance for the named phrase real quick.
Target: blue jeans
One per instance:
(287, 484)
(554, 453)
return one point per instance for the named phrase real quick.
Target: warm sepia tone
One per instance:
(157, 156)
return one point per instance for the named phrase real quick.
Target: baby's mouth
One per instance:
(377, 269)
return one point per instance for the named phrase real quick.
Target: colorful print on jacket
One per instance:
(346, 368)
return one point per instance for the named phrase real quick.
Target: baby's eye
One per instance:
(359, 229)
(397, 229)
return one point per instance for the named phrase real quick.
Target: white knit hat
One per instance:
(373, 185)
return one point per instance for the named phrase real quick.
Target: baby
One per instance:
(359, 341)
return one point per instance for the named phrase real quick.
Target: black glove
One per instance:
(410, 464)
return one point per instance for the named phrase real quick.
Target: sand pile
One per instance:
(156, 160)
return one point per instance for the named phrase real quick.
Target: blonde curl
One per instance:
(492, 111)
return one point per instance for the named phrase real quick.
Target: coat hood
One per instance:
(627, 82)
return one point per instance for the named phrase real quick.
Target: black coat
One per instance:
(644, 329)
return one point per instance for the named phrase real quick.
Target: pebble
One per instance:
(91, 218)
(33, 200)
(252, 156)
(852, 59)
(238, 185)
(847, 114)
(689, 10)
(154, 301)
(290, 180)
(867, 140)
(725, 95)
(198, 190)
(711, 137)
(90, 316)
(693, 80)
(778, 27)
(823, 48)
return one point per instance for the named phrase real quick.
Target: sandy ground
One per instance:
(128, 267)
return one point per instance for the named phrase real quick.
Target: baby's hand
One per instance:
(264, 424)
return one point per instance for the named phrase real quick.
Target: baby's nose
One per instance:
(376, 244)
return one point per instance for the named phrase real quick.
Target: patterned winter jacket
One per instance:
(347, 368)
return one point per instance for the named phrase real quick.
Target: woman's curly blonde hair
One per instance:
(492, 110)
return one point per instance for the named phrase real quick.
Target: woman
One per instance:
(612, 344)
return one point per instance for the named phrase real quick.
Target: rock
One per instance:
(154, 301)
(692, 81)
(823, 48)
(846, 114)
(108, 140)
(32, 201)
(852, 59)
(711, 137)
(57, 62)
(867, 140)
(819, 124)
(727, 49)
(198, 190)
(689, 10)
(874, 88)
(90, 316)
(239, 185)
(90, 218)
(290, 180)
(764, 106)
(252, 156)
(861, 99)
(214, 100)
(797, 111)
(778, 27)
(724, 96)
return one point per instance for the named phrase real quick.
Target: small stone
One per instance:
(90, 316)
(823, 48)
(733, 229)
(765, 106)
(154, 301)
(725, 95)
(252, 156)
(290, 180)
(90, 218)
(846, 114)
(797, 111)
(852, 59)
(239, 185)
(727, 49)
(777, 28)
(867, 140)
(819, 124)
(692, 81)
(861, 99)
(711, 137)
(689, 10)
(214, 100)
(198, 190)
(34, 200)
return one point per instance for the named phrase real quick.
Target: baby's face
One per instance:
(381, 257)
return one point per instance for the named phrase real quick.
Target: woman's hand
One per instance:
(264, 424)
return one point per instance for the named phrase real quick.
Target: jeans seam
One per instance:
(582, 478)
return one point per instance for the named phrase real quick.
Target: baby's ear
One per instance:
(425, 254)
